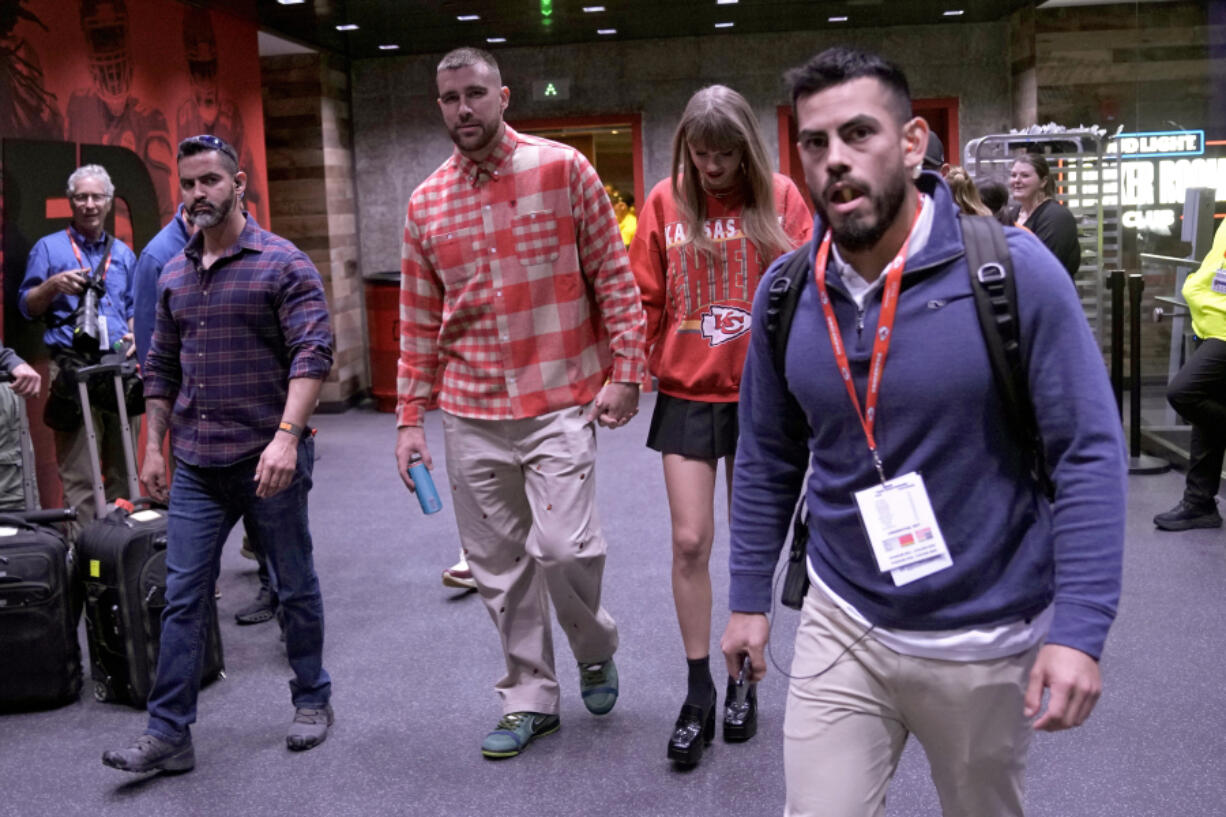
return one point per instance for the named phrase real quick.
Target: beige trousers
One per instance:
(76, 473)
(525, 505)
(845, 730)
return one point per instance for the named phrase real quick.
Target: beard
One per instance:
(474, 143)
(857, 233)
(206, 215)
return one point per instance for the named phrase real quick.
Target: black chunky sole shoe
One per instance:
(693, 732)
(740, 711)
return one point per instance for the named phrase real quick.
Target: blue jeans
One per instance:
(205, 504)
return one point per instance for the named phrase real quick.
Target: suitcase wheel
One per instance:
(102, 691)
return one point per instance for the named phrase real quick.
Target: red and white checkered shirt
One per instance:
(516, 285)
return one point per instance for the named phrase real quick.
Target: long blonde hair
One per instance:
(719, 118)
(966, 194)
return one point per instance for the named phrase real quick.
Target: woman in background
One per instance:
(704, 238)
(1032, 186)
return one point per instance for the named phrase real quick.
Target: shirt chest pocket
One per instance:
(453, 256)
(536, 237)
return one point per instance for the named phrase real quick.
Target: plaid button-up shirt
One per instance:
(228, 339)
(516, 285)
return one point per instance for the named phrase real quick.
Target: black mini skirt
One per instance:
(693, 428)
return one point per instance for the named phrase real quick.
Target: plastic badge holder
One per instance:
(426, 493)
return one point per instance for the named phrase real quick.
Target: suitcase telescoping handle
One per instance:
(116, 365)
(28, 519)
(29, 477)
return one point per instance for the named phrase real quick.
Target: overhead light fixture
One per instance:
(836, 19)
(467, 18)
(389, 47)
(495, 40)
(724, 25)
(726, 2)
(592, 9)
(347, 27)
(291, 2)
(954, 13)
(613, 132)
(606, 31)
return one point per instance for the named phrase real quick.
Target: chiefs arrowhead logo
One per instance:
(721, 324)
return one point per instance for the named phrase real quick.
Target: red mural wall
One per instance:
(139, 73)
(136, 74)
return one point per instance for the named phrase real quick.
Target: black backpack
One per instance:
(992, 282)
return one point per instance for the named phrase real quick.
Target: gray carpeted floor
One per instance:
(413, 666)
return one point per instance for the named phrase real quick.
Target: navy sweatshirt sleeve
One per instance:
(769, 471)
(1084, 446)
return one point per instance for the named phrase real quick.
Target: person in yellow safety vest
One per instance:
(1198, 393)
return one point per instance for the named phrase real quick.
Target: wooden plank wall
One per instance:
(312, 197)
(1144, 65)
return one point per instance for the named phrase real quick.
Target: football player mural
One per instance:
(207, 110)
(107, 112)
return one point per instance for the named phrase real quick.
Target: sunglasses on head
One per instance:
(211, 142)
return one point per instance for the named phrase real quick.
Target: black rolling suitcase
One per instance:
(40, 657)
(123, 558)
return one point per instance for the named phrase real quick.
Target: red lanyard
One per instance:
(881, 339)
(72, 241)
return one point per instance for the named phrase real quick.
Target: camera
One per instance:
(85, 334)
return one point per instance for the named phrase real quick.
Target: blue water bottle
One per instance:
(426, 494)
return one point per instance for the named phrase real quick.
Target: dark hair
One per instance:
(993, 193)
(628, 198)
(841, 64)
(206, 142)
(1041, 170)
(464, 57)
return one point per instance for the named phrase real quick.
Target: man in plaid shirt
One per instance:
(241, 346)
(518, 300)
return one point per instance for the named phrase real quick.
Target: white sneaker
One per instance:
(458, 575)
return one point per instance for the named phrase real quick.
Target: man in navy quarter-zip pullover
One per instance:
(948, 594)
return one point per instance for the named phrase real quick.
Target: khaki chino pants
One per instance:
(845, 730)
(525, 505)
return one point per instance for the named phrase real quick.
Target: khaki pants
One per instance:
(845, 730)
(525, 505)
(76, 474)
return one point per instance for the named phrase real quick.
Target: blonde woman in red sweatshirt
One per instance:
(705, 236)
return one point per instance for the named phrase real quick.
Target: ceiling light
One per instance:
(724, 25)
(954, 13)
(606, 31)
(389, 47)
(291, 2)
(613, 132)
(348, 27)
(726, 2)
(495, 39)
(467, 18)
(836, 20)
(592, 9)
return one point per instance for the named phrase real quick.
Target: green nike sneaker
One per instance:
(515, 731)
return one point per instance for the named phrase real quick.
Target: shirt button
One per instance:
(499, 293)
(492, 250)
(202, 323)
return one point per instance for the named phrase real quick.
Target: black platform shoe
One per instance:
(740, 711)
(693, 732)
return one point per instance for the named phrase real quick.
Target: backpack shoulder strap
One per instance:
(782, 297)
(995, 291)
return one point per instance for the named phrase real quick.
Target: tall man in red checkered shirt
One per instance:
(518, 300)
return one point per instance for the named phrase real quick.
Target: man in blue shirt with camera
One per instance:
(60, 268)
